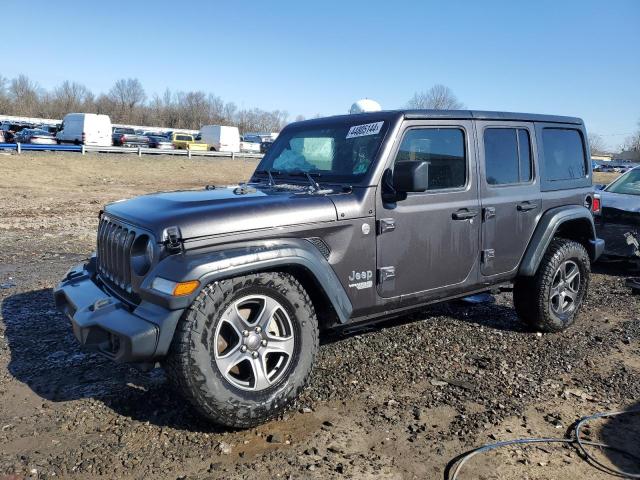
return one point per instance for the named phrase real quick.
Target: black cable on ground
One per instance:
(576, 441)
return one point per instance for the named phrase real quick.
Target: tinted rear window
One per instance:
(507, 154)
(564, 156)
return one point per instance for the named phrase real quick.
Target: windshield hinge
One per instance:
(172, 239)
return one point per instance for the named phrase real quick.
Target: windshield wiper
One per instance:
(301, 173)
(270, 173)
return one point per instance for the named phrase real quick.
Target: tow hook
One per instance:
(99, 304)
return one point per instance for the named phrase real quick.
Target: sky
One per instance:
(571, 57)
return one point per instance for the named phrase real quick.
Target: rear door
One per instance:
(429, 242)
(509, 192)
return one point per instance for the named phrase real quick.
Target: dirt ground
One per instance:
(395, 401)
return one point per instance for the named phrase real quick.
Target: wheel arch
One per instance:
(572, 222)
(322, 302)
(298, 257)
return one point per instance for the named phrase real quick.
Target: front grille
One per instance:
(114, 253)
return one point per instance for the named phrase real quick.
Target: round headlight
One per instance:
(142, 254)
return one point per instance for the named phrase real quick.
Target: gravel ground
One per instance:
(394, 401)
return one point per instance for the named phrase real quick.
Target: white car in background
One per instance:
(250, 143)
(35, 136)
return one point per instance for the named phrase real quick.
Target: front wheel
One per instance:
(245, 349)
(551, 300)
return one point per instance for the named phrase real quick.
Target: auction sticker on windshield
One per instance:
(364, 130)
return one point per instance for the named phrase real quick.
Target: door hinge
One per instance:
(386, 225)
(386, 273)
(489, 212)
(488, 255)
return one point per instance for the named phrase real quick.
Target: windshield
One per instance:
(628, 184)
(341, 152)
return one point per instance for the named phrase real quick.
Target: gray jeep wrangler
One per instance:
(346, 219)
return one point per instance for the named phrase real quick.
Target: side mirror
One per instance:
(411, 177)
(599, 186)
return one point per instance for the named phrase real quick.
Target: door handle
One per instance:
(464, 214)
(526, 206)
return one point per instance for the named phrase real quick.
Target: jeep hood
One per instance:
(218, 211)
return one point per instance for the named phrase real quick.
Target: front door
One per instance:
(510, 192)
(429, 242)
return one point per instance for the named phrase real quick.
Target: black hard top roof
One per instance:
(488, 115)
(452, 114)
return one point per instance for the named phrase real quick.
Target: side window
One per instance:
(443, 149)
(564, 157)
(507, 156)
(524, 149)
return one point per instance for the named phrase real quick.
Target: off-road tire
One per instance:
(531, 295)
(191, 367)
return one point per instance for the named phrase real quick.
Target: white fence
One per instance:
(82, 149)
(159, 151)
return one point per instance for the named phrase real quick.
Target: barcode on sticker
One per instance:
(364, 130)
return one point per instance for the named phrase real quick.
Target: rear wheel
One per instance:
(245, 348)
(551, 300)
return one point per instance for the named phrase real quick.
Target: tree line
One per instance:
(128, 103)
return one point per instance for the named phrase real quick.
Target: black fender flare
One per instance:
(547, 228)
(241, 259)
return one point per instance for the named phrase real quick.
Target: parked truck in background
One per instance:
(127, 137)
(85, 129)
(221, 138)
(185, 141)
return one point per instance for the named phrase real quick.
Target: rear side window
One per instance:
(507, 154)
(444, 150)
(564, 156)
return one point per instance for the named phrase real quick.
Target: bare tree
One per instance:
(229, 112)
(126, 103)
(299, 118)
(127, 94)
(633, 142)
(194, 109)
(5, 103)
(597, 145)
(438, 97)
(25, 95)
(71, 97)
(104, 105)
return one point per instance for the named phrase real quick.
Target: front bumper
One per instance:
(105, 324)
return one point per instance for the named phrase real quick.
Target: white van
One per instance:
(221, 138)
(85, 128)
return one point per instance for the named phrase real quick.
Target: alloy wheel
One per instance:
(254, 342)
(565, 288)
